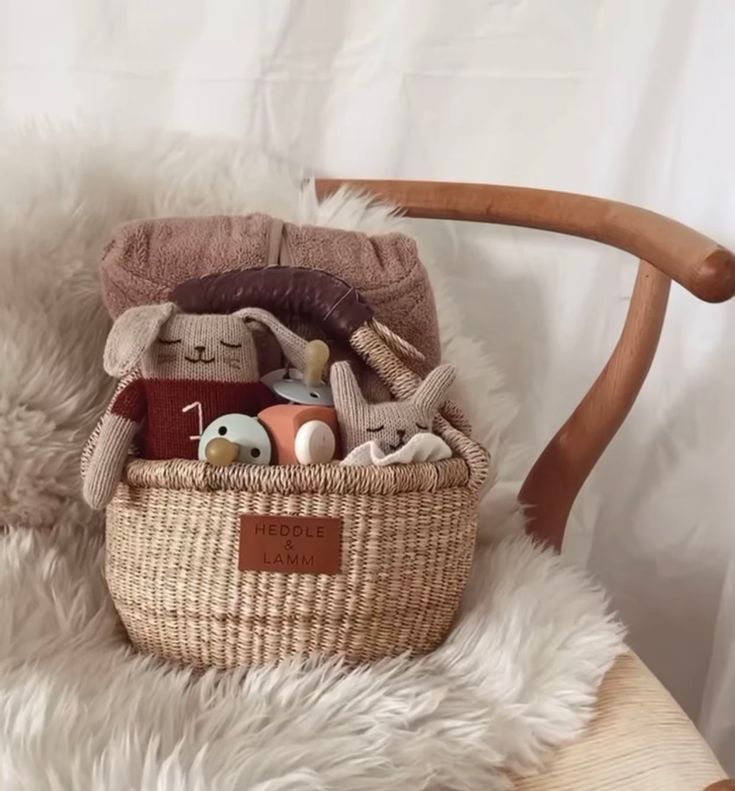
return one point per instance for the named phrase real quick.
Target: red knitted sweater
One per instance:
(174, 412)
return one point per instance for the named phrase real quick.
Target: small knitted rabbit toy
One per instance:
(392, 423)
(180, 372)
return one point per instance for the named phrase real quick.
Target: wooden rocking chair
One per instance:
(640, 739)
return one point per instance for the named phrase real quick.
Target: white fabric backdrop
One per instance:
(620, 98)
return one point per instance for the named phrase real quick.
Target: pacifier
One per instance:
(304, 430)
(307, 388)
(235, 438)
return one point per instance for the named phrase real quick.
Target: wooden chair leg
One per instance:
(560, 471)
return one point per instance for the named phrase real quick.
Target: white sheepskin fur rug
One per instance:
(78, 708)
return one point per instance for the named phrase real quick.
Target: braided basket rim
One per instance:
(178, 474)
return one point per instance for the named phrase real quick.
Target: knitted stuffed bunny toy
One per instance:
(392, 423)
(179, 372)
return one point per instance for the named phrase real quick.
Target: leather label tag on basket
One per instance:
(290, 544)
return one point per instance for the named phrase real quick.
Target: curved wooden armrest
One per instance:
(686, 256)
(674, 252)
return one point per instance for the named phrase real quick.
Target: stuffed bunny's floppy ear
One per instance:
(132, 335)
(292, 345)
(348, 397)
(432, 392)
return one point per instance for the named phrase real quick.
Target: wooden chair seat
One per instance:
(640, 740)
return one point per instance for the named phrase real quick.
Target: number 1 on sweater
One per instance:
(198, 405)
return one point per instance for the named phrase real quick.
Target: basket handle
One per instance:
(312, 294)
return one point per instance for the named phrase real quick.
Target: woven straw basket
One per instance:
(405, 549)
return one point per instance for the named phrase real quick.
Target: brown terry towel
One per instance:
(146, 258)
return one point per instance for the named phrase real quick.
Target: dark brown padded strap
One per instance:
(288, 292)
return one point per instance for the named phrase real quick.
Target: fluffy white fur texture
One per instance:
(79, 709)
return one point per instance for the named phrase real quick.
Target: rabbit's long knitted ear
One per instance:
(293, 346)
(348, 398)
(432, 392)
(132, 335)
(349, 403)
